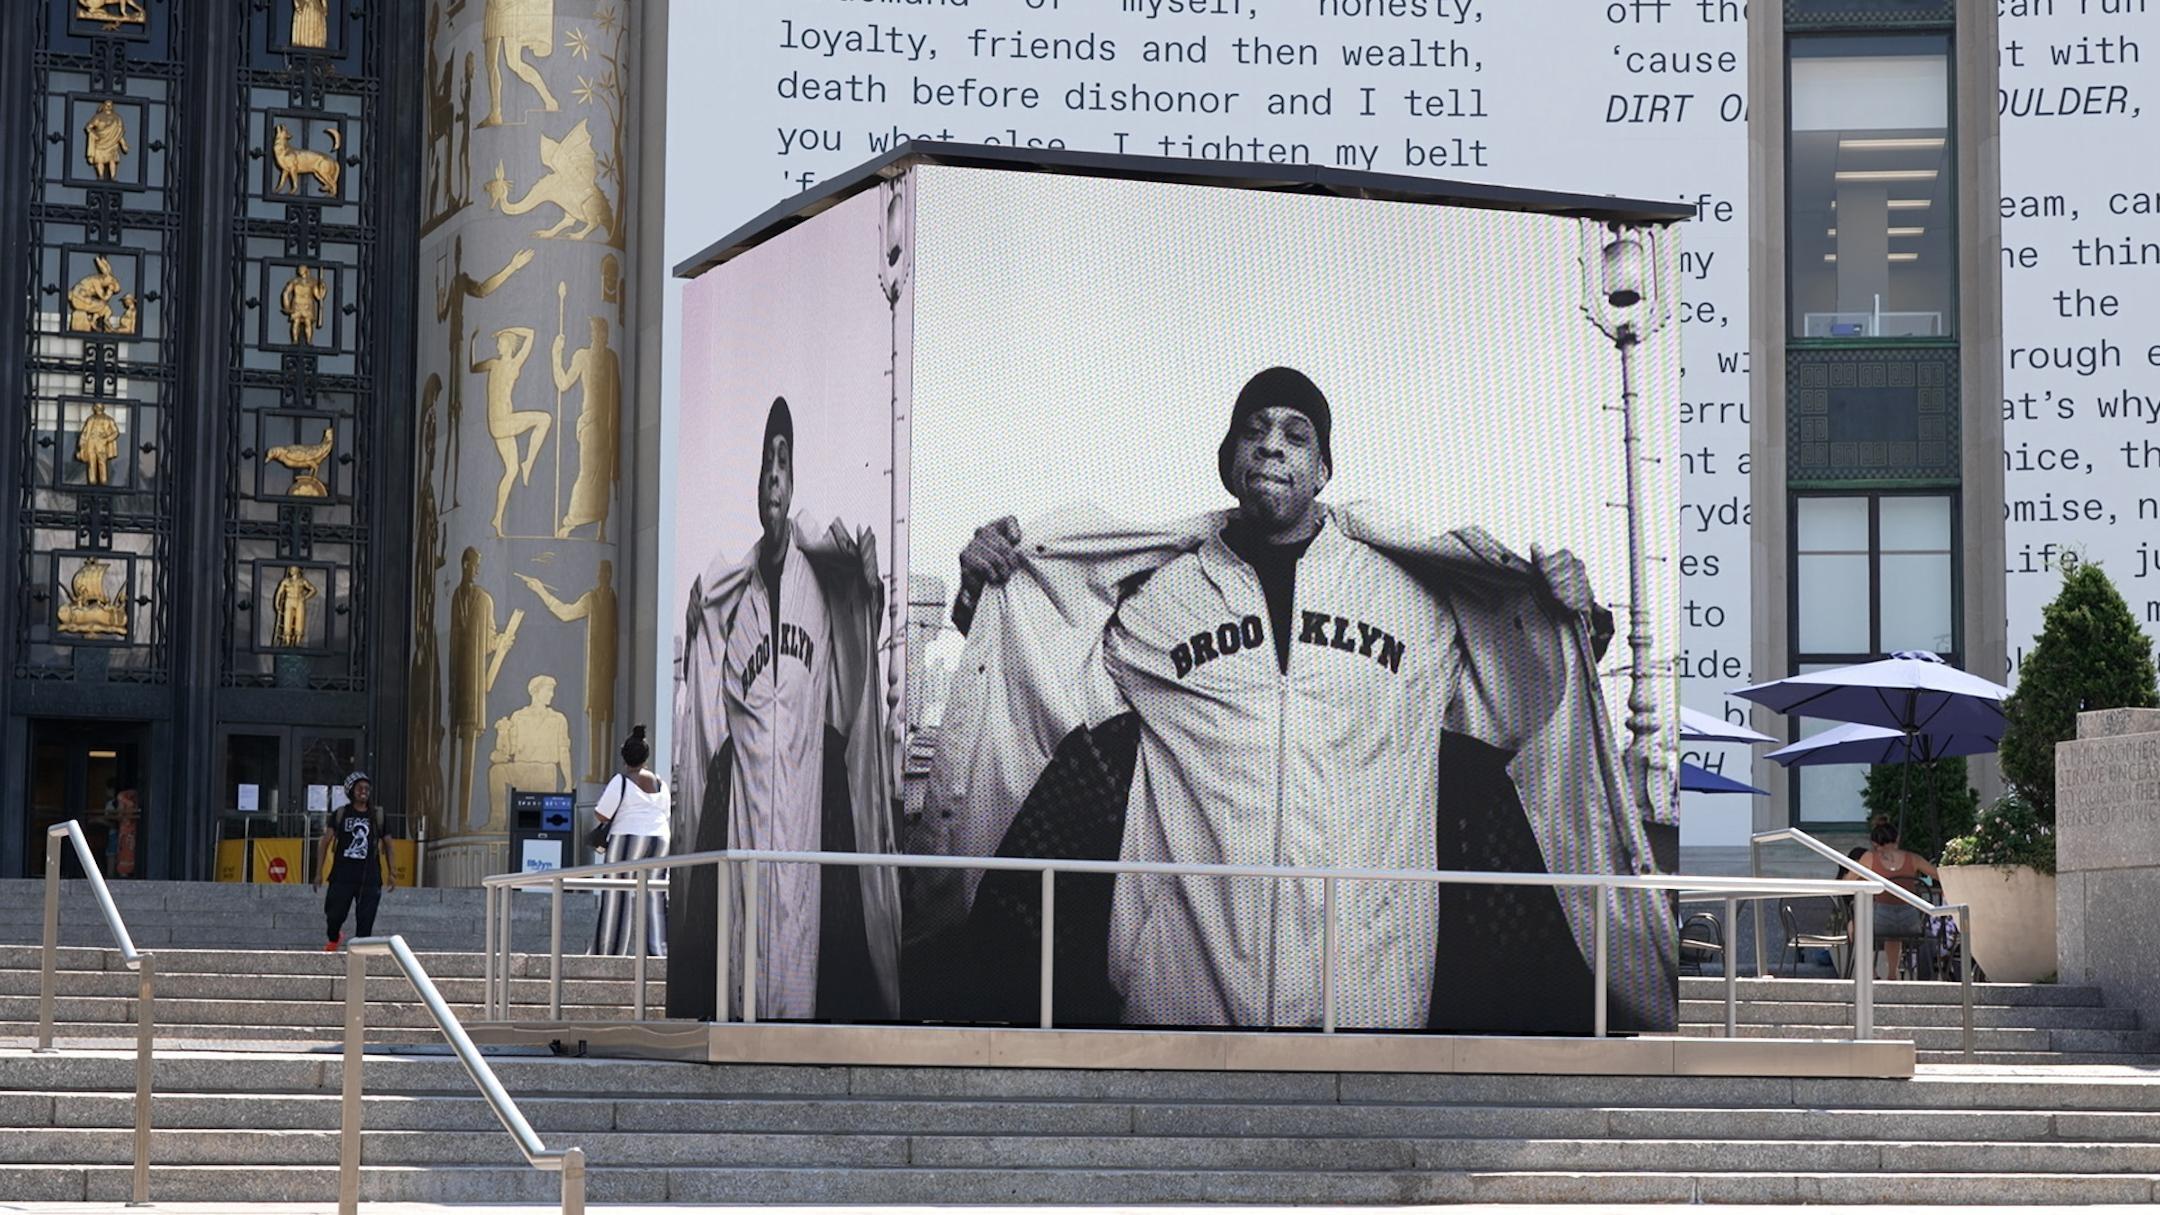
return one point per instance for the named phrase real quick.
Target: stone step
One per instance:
(1093, 1187)
(242, 1016)
(1794, 1012)
(527, 994)
(1986, 1038)
(460, 964)
(1839, 991)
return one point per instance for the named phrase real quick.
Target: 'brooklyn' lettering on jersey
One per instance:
(795, 643)
(1334, 632)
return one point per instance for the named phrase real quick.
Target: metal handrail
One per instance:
(146, 981)
(570, 1161)
(496, 987)
(1863, 927)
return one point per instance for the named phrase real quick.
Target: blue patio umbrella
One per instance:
(1852, 743)
(1697, 726)
(1702, 780)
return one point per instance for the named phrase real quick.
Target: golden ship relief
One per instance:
(98, 445)
(91, 610)
(306, 461)
(295, 163)
(105, 142)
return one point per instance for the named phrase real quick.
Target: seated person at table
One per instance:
(1895, 919)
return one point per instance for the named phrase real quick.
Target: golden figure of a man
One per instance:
(596, 608)
(89, 306)
(597, 369)
(98, 445)
(508, 29)
(504, 419)
(532, 750)
(311, 23)
(104, 142)
(289, 604)
(302, 301)
(477, 652)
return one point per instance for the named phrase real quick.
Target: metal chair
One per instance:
(1805, 931)
(1706, 946)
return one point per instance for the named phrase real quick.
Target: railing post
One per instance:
(555, 950)
(637, 945)
(1754, 848)
(145, 1006)
(1600, 934)
(723, 941)
(503, 974)
(487, 951)
(573, 1181)
(349, 1102)
(1732, 967)
(750, 942)
(1049, 939)
(47, 976)
(1327, 955)
(1965, 975)
(1863, 992)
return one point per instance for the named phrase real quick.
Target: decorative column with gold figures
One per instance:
(515, 655)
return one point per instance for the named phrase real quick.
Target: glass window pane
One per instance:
(1870, 176)
(1832, 524)
(1831, 793)
(1833, 604)
(1915, 524)
(1917, 616)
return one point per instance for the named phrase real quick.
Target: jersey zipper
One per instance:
(1282, 730)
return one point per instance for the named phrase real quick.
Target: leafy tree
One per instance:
(2090, 654)
(1942, 801)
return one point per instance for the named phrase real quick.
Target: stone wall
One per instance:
(2107, 909)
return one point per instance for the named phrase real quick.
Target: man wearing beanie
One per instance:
(778, 717)
(1283, 684)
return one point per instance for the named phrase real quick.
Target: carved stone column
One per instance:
(524, 358)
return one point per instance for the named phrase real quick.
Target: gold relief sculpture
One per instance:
(597, 369)
(302, 302)
(295, 163)
(105, 141)
(447, 116)
(128, 319)
(424, 730)
(477, 652)
(289, 608)
(113, 13)
(571, 183)
(90, 302)
(90, 610)
(532, 751)
(311, 23)
(505, 421)
(508, 29)
(306, 460)
(450, 300)
(98, 445)
(596, 608)
(612, 292)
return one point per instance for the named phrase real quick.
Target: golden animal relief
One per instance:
(532, 750)
(302, 302)
(105, 142)
(598, 372)
(597, 608)
(91, 610)
(98, 445)
(477, 653)
(289, 609)
(311, 23)
(90, 300)
(112, 13)
(508, 29)
(571, 184)
(306, 461)
(295, 163)
(506, 422)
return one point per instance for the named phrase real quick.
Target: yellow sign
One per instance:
(232, 860)
(277, 862)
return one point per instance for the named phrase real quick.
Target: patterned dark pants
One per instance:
(614, 936)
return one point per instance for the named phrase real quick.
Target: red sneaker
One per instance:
(332, 945)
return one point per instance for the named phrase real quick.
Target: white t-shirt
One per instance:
(632, 811)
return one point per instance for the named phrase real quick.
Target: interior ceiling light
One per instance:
(1886, 174)
(1907, 144)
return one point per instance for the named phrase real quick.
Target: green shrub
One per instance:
(2010, 832)
(2090, 654)
(1943, 801)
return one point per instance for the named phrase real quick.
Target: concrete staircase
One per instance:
(2015, 1023)
(240, 1127)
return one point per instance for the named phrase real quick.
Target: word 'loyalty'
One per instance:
(1321, 629)
(874, 38)
(794, 643)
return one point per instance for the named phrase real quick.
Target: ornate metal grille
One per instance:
(302, 384)
(96, 504)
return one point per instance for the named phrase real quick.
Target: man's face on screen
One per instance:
(1275, 467)
(776, 487)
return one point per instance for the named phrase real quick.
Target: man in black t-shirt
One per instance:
(357, 857)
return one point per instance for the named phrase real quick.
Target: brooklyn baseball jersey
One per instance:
(1332, 762)
(775, 682)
